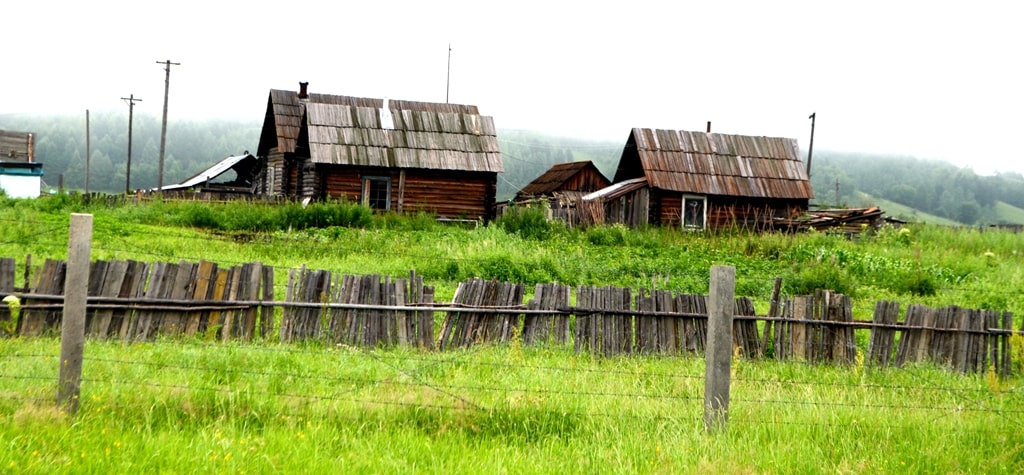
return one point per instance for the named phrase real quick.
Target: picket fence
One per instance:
(136, 301)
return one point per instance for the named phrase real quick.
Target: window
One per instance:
(694, 211)
(377, 192)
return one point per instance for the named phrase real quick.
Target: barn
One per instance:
(703, 180)
(391, 155)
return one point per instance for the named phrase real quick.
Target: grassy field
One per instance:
(187, 406)
(181, 406)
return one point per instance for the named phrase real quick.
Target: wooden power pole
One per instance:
(163, 127)
(87, 150)
(131, 100)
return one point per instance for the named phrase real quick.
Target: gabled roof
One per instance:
(716, 164)
(284, 117)
(347, 130)
(556, 176)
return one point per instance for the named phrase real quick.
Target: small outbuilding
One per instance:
(231, 177)
(580, 176)
(702, 180)
(562, 188)
(390, 155)
(20, 175)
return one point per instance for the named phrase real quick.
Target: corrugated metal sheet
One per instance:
(722, 164)
(209, 174)
(616, 190)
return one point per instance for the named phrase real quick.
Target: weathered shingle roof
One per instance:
(716, 164)
(350, 131)
(557, 175)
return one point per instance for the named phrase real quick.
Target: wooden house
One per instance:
(700, 180)
(21, 175)
(398, 156)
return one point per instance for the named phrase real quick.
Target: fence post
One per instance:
(72, 335)
(721, 303)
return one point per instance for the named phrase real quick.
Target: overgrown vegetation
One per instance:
(174, 405)
(920, 264)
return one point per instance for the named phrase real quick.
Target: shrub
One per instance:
(821, 276)
(199, 216)
(918, 283)
(614, 235)
(527, 222)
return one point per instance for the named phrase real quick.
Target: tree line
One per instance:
(931, 186)
(191, 147)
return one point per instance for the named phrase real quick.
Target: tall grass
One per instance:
(917, 264)
(187, 406)
(182, 405)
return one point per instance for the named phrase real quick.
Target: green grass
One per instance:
(180, 405)
(1006, 213)
(258, 408)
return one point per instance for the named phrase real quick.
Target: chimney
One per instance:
(709, 126)
(302, 90)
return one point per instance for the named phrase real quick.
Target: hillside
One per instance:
(900, 211)
(934, 191)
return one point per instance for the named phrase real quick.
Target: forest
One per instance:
(839, 179)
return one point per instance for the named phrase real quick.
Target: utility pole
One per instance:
(87, 148)
(810, 148)
(163, 128)
(448, 82)
(131, 100)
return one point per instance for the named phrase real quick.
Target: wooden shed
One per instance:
(572, 176)
(391, 155)
(562, 188)
(700, 180)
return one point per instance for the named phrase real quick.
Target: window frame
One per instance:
(366, 197)
(703, 199)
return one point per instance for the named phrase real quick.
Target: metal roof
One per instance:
(616, 190)
(717, 164)
(209, 174)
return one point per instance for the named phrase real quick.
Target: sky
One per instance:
(937, 80)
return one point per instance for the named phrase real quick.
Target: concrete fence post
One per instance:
(72, 334)
(721, 307)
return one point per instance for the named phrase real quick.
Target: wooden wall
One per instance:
(586, 180)
(726, 211)
(448, 193)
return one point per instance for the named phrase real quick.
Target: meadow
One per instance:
(191, 406)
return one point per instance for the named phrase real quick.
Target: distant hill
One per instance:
(931, 191)
(900, 211)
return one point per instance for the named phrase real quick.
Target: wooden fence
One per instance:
(132, 300)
